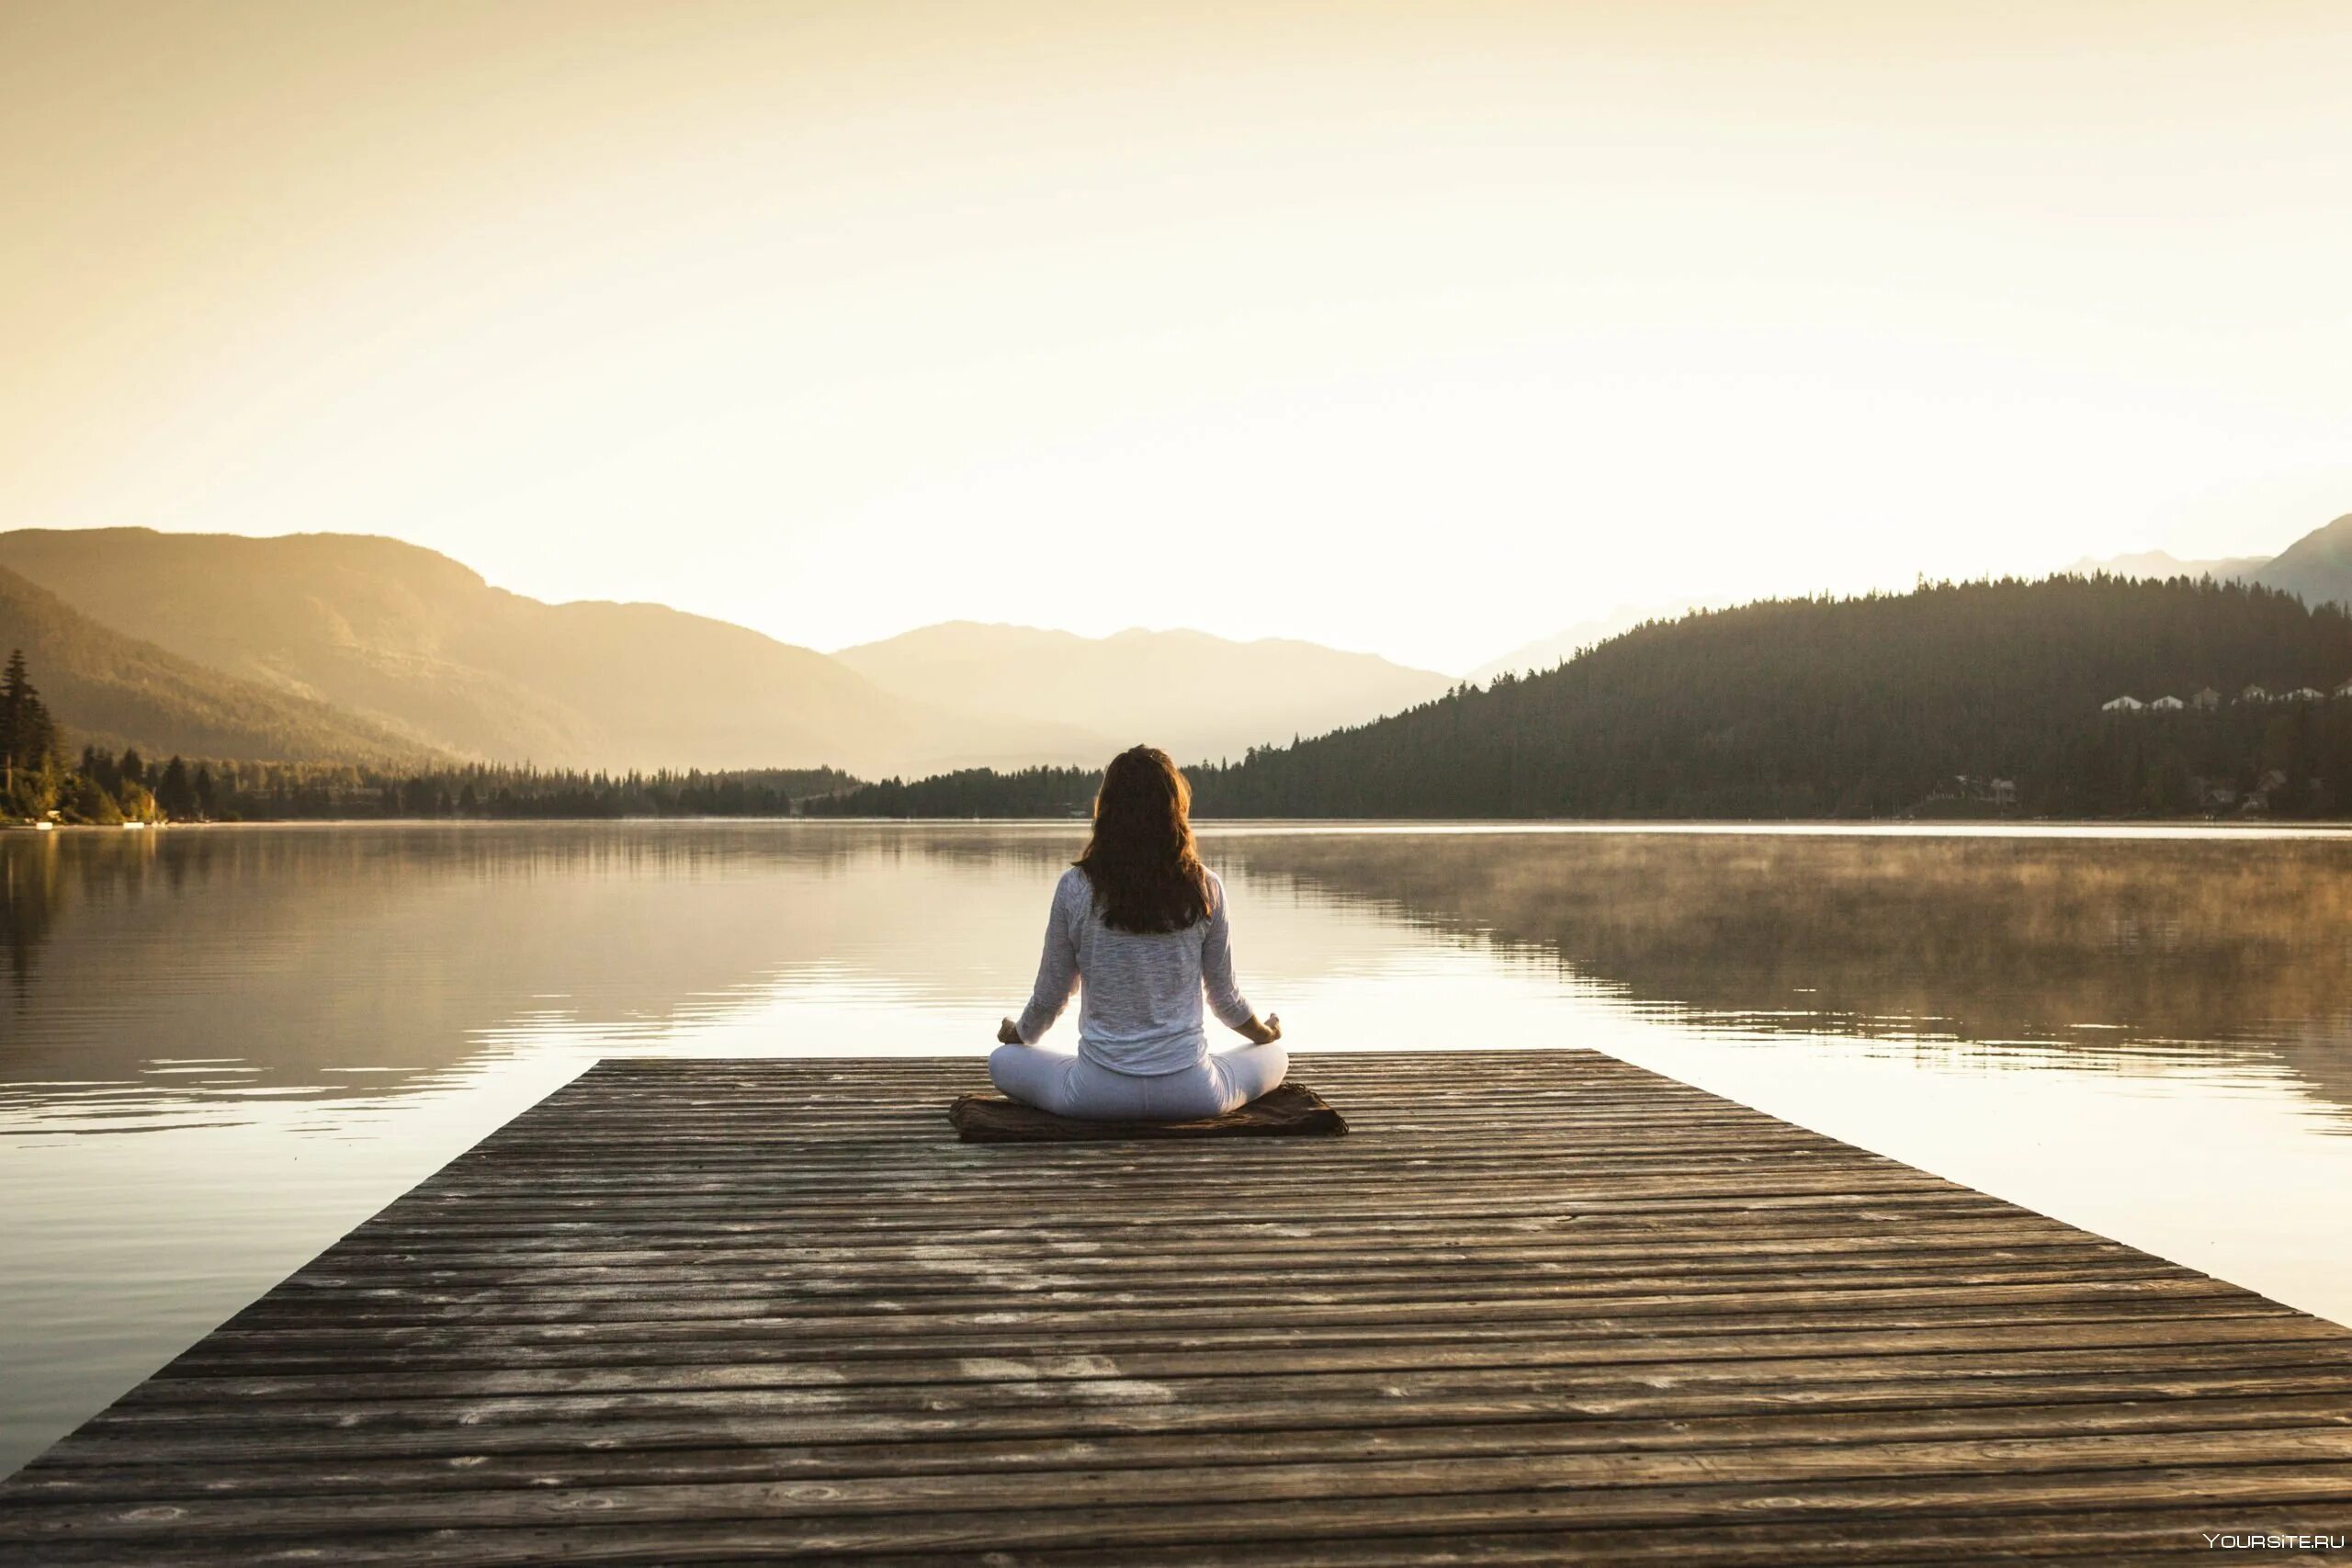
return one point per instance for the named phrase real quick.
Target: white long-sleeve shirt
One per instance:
(1140, 1006)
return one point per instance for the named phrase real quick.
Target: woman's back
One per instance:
(1141, 993)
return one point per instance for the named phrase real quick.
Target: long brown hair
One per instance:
(1146, 870)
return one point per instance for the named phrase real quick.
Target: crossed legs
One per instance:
(1070, 1086)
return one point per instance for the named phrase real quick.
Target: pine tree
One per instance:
(15, 691)
(173, 793)
(28, 743)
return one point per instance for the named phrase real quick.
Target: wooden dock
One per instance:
(1538, 1307)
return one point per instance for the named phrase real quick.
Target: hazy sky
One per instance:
(1425, 329)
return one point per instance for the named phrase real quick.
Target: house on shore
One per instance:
(1967, 795)
(2166, 704)
(2254, 694)
(2122, 705)
(2344, 690)
(2210, 699)
(2305, 694)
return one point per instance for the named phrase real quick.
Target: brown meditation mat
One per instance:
(1286, 1110)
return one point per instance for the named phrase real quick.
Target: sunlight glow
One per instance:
(838, 320)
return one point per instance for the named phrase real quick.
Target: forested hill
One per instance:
(1845, 708)
(113, 691)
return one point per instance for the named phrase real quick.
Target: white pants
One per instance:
(1071, 1085)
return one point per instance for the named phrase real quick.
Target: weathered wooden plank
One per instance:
(266, 1357)
(479, 1414)
(2296, 1492)
(2090, 1540)
(1485, 1341)
(844, 1266)
(1634, 1292)
(1825, 1230)
(1865, 1291)
(1599, 1244)
(740, 1366)
(1527, 1200)
(1038, 1412)
(2128, 1467)
(580, 1465)
(902, 1322)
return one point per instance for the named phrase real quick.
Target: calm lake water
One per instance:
(221, 1048)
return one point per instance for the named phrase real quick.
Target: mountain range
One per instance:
(2157, 565)
(351, 648)
(1951, 699)
(1197, 696)
(2316, 567)
(417, 643)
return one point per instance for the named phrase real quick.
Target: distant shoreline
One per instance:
(1920, 827)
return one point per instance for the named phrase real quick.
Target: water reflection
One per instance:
(161, 972)
(153, 973)
(2132, 954)
(30, 869)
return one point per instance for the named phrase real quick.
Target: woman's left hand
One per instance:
(1008, 1034)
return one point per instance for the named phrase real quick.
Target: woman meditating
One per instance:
(1138, 925)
